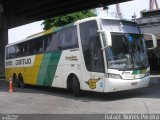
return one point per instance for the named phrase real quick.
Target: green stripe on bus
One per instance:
(139, 71)
(48, 68)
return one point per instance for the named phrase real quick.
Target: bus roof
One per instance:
(64, 27)
(101, 17)
(45, 32)
(50, 31)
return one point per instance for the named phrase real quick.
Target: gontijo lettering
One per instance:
(23, 61)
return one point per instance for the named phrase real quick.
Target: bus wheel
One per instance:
(21, 82)
(76, 87)
(15, 81)
(70, 83)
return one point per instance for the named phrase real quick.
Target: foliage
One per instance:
(66, 19)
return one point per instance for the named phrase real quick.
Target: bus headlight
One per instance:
(111, 75)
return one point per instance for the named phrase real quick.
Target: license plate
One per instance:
(134, 84)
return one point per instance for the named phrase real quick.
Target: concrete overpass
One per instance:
(18, 12)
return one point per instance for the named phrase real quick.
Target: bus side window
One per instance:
(24, 50)
(30, 47)
(54, 42)
(18, 50)
(35, 46)
(75, 37)
(68, 38)
(11, 51)
(7, 53)
(47, 40)
(38, 45)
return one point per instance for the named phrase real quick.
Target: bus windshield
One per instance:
(128, 51)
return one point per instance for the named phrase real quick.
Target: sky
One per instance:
(127, 9)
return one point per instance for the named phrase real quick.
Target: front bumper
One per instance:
(113, 85)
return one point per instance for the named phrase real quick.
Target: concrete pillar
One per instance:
(3, 41)
(1, 11)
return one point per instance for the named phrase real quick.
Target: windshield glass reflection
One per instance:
(127, 51)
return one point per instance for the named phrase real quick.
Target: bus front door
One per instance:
(96, 83)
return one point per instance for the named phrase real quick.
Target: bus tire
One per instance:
(70, 83)
(21, 82)
(15, 81)
(76, 87)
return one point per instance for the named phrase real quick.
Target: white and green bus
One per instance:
(93, 54)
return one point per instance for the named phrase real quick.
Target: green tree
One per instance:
(66, 19)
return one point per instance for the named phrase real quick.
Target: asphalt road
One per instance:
(39, 100)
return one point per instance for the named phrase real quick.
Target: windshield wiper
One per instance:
(139, 59)
(128, 48)
(133, 51)
(138, 56)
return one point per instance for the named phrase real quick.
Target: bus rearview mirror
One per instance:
(151, 41)
(106, 37)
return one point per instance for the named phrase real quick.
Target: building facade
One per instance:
(149, 22)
